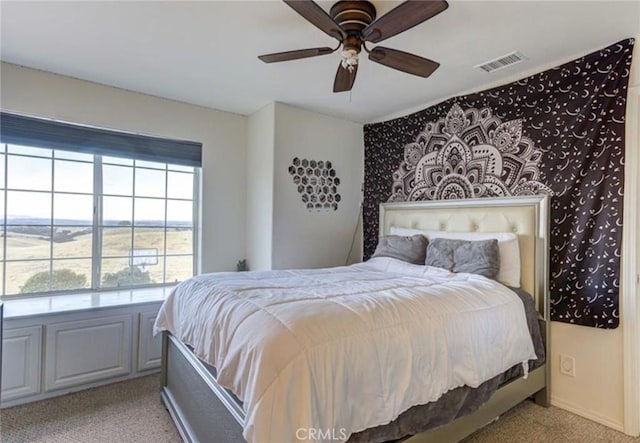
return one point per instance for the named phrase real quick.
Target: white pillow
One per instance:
(509, 273)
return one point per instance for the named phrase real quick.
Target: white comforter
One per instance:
(343, 349)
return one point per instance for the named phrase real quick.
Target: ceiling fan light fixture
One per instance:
(349, 58)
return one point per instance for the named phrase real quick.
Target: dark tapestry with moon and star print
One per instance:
(559, 132)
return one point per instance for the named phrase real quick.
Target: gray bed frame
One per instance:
(203, 411)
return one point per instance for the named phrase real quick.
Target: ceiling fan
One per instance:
(353, 24)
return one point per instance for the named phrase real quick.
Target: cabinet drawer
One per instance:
(85, 351)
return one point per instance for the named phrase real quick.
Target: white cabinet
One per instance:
(48, 355)
(84, 351)
(21, 350)
(149, 347)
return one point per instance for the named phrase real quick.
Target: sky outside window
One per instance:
(32, 174)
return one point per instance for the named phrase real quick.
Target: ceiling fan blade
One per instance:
(344, 79)
(403, 61)
(294, 55)
(402, 17)
(317, 16)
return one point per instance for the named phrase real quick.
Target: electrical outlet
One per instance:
(567, 365)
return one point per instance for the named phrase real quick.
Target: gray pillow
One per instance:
(410, 249)
(475, 257)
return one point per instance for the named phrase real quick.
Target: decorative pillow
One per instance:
(410, 249)
(509, 273)
(474, 257)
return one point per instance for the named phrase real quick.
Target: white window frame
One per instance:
(97, 225)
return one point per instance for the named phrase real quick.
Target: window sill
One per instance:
(56, 304)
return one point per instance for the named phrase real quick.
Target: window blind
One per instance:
(42, 133)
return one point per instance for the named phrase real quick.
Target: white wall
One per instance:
(305, 238)
(631, 282)
(281, 232)
(260, 153)
(223, 135)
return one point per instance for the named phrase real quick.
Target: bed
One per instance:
(204, 411)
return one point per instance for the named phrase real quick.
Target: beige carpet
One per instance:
(131, 412)
(119, 413)
(530, 423)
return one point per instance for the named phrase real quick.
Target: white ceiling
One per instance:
(204, 53)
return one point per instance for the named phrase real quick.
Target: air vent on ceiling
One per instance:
(502, 62)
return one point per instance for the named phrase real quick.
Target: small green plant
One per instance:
(242, 265)
(60, 280)
(131, 275)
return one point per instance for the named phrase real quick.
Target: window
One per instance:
(74, 220)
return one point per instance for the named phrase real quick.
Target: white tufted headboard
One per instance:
(528, 217)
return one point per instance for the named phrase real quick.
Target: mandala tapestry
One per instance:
(560, 133)
(468, 154)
